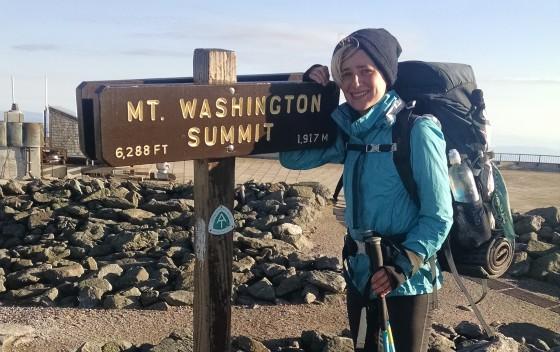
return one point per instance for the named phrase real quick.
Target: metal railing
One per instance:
(527, 158)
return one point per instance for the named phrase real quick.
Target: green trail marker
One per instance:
(221, 221)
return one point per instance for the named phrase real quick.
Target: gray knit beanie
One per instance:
(381, 47)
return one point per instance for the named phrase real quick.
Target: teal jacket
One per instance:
(384, 204)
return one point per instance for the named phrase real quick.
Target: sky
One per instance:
(513, 47)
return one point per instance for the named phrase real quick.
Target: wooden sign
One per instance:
(131, 123)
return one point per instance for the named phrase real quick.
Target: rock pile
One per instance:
(538, 248)
(122, 244)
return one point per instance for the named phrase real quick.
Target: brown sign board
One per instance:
(86, 95)
(148, 123)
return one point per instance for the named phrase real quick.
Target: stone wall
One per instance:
(63, 131)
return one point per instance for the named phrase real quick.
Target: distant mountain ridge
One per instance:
(524, 149)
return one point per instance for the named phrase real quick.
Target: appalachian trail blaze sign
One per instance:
(221, 221)
(127, 123)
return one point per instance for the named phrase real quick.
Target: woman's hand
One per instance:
(319, 74)
(381, 283)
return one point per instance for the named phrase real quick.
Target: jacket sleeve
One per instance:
(311, 158)
(435, 217)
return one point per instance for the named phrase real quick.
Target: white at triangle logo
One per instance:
(221, 221)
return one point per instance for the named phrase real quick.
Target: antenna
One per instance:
(46, 115)
(13, 91)
(46, 90)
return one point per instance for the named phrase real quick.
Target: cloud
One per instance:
(251, 35)
(523, 81)
(154, 52)
(35, 47)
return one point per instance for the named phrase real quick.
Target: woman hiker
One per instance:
(364, 66)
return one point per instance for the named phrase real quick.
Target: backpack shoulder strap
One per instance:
(338, 188)
(401, 157)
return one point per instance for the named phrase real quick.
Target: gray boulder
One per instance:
(117, 202)
(312, 341)
(244, 264)
(326, 280)
(25, 292)
(134, 241)
(540, 267)
(328, 263)
(110, 270)
(120, 302)
(157, 207)
(85, 238)
(537, 249)
(178, 298)
(64, 273)
(469, 330)
(13, 188)
(339, 344)
(529, 236)
(550, 214)
(301, 191)
(499, 344)
(521, 264)
(135, 275)
(174, 343)
(528, 223)
(136, 216)
(14, 337)
(18, 279)
(310, 293)
(92, 291)
(39, 218)
(440, 343)
(262, 289)
(248, 344)
(289, 285)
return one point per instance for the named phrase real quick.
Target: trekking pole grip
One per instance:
(383, 311)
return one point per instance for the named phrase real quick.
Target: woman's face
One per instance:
(362, 84)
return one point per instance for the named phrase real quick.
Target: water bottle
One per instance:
(470, 215)
(461, 178)
(486, 177)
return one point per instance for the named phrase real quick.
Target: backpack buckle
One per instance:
(372, 148)
(410, 105)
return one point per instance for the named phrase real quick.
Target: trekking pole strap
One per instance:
(338, 188)
(447, 251)
(362, 329)
(484, 283)
(433, 271)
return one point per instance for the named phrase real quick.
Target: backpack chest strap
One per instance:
(372, 148)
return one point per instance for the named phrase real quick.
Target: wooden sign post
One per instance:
(210, 118)
(214, 183)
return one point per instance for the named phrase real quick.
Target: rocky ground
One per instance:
(70, 249)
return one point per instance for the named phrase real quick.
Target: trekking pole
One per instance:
(386, 343)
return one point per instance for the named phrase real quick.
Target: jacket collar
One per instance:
(381, 115)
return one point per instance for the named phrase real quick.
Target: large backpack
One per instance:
(480, 244)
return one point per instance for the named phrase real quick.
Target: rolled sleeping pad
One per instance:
(490, 260)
